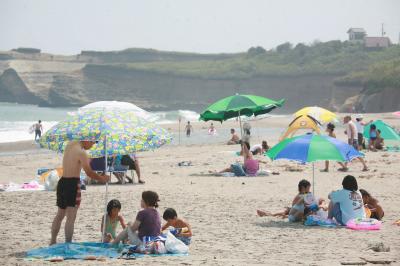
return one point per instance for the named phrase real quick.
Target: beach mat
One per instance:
(84, 250)
(76, 251)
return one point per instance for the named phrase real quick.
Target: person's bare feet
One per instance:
(324, 170)
(365, 169)
(343, 169)
(141, 181)
(263, 213)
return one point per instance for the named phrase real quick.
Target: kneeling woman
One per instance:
(147, 222)
(250, 166)
(346, 203)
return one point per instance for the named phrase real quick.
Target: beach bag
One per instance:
(127, 160)
(174, 245)
(51, 181)
(159, 248)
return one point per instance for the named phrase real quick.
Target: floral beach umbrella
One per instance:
(117, 132)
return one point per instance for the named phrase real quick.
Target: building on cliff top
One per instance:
(359, 35)
(356, 34)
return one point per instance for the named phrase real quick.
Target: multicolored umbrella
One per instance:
(122, 131)
(321, 114)
(312, 148)
(116, 105)
(238, 105)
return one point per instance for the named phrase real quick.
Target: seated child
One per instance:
(303, 204)
(146, 224)
(112, 219)
(183, 230)
(372, 205)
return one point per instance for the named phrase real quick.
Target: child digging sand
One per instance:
(112, 219)
(303, 202)
(146, 224)
(182, 229)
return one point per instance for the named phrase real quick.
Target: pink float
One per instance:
(364, 224)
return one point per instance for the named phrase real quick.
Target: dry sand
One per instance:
(221, 210)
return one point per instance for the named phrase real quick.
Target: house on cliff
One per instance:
(359, 35)
(376, 42)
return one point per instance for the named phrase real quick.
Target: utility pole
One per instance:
(383, 31)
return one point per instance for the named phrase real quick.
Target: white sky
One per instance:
(206, 26)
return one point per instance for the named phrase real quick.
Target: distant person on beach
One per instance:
(260, 149)
(188, 129)
(372, 137)
(69, 187)
(351, 132)
(347, 203)
(360, 129)
(234, 139)
(246, 132)
(379, 142)
(330, 128)
(250, 166)
(212, 130)
(38, 129)
(113, 218)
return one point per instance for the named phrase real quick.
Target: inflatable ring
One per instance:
(364, 224)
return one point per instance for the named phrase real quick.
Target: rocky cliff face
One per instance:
(71, 82)
(13, 89)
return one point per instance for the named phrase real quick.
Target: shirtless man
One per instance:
(235, 138)
(68, 188)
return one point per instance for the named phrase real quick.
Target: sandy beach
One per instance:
(221, 210)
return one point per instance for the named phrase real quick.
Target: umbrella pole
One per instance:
(106, 196)
(240, 123)
(313, 178)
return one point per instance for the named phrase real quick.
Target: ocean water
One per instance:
(16, 119)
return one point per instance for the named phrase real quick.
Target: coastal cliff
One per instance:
(145, 78)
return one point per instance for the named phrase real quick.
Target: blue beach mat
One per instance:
(76, 251)
(82, 250)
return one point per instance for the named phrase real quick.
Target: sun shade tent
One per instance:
(389, 134)
(301, 122)
(320, 114)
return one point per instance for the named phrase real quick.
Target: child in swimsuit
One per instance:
(372, 137)
(181, 229)
(372, 204)
(112, 219)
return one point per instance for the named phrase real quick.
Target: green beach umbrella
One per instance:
(388, 133)
(238, 105)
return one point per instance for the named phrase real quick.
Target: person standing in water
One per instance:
(38, 129)
(188, 129)
(69, 187)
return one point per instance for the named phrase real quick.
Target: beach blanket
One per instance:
(76, 251)
(84, 250)
(30, 186)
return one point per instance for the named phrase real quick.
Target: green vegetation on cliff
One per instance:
(378, 76)
(328, 58)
